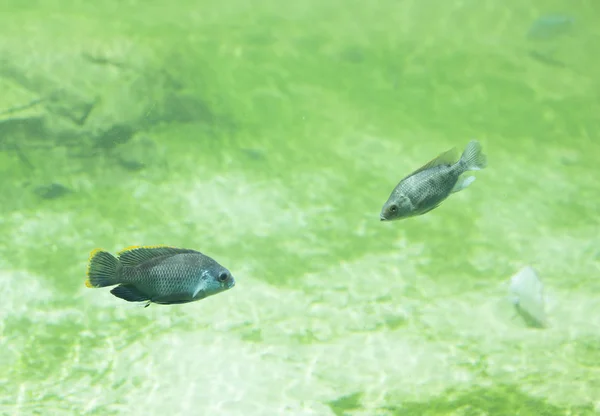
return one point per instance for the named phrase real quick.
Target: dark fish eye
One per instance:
(393, 208)
(223, 276)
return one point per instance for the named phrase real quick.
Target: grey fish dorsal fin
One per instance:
(449, 157)
(136, 255)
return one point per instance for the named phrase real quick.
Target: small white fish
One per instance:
(527, 294)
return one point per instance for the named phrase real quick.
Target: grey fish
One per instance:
(426, 188)
(158, 274)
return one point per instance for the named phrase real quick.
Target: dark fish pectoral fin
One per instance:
(129, 293)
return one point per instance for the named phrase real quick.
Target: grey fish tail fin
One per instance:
(473, 158)
(103, 269)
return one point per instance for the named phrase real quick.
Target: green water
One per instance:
(268, 135)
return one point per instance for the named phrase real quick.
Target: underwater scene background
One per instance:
(268, 135)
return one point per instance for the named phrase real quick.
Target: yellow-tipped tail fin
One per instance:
(102, 269)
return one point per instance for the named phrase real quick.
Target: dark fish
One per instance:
(426, 188)
(158, 274)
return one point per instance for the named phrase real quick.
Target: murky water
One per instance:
(268, 135)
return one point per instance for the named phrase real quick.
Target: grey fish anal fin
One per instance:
(129, 293)
(134, 256)
(462, 183)
(449, 157)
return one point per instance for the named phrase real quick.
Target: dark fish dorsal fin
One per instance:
(449, 157)
(136, 255)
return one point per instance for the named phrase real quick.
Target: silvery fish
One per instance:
(158, 274)
(426, 188)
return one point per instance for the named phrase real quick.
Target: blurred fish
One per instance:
(527, 295)
(114, 136)
(546, 59)
(52, 191)
(255, 154)
(550, 27)
(23, 156)
(426, 188)
(158, 274)
(130, 164)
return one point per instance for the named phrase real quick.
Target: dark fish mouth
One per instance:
(382, 218)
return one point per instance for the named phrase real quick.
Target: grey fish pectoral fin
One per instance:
(430, 209)
(428, 203)
(199, 293)
(129, 293)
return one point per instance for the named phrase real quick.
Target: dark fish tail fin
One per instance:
(473, 157)
(103, 269)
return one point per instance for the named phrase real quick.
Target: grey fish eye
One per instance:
(393, 208)
(223, 276)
